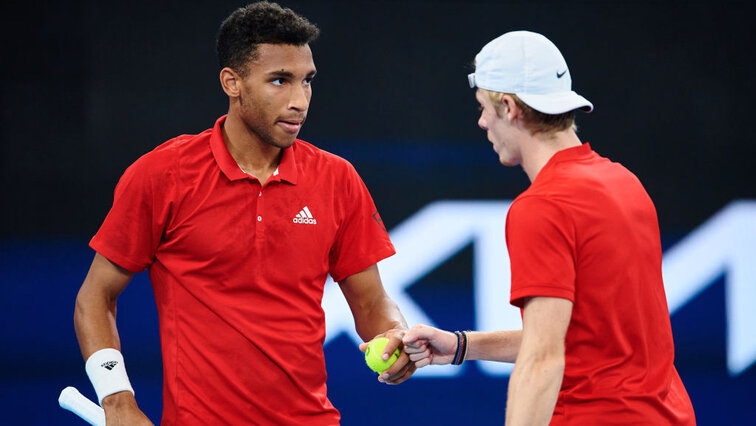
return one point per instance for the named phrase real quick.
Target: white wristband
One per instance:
(107, 373)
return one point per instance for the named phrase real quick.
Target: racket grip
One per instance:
(72, 400)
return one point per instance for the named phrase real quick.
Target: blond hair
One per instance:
(536, 121)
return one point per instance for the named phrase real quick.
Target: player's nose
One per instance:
(482, 123)
(300, 99)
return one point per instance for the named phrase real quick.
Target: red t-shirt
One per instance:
(587, 231)
(238, 272)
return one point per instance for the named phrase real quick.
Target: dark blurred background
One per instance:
(89, 86)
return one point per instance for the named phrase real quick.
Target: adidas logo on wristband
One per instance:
(109, 365)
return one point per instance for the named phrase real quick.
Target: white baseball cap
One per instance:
(530, 66)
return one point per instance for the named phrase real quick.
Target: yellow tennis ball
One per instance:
(374, 353)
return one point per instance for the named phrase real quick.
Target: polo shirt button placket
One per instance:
(260, 228)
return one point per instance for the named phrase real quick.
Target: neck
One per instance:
(254, 156)
(538, 149)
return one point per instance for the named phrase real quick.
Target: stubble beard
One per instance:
(256, 126)
(268, 138)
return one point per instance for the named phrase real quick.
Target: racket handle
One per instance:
(72, 400)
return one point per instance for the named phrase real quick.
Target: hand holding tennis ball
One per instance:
(374, 355)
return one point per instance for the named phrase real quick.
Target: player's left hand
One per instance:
(403, 367)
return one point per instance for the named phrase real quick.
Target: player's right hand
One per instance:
(121, 409)
(428, 345)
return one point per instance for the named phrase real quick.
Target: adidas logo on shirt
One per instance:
(304, 216)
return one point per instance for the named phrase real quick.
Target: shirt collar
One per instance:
(286, 171)
(287, 168)
(568, 154)
(572, 153)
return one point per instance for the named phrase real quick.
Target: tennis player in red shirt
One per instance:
(596, 344)
(239, 227)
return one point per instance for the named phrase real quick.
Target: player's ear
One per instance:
(509, 107)
(230, 82)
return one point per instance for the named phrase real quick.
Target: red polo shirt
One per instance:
(587, 231)
(238, 271)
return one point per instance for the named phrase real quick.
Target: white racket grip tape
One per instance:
(73, 401)
(107, 372)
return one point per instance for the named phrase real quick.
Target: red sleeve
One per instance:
(362, 239)
(541, 245)
(133, 228)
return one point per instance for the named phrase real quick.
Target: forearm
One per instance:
(95, 312)
(533, 390)
(95, 325)
(373, 311)
(502, 346)
(95, 322)
(378, 316)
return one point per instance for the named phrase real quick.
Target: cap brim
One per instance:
(556, 103)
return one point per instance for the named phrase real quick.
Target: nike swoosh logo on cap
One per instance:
(560, 74)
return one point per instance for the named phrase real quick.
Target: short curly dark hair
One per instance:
(260, 22)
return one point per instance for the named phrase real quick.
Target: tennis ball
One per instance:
(374, 353)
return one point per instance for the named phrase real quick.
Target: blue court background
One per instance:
(89, 86)
(43, 357)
